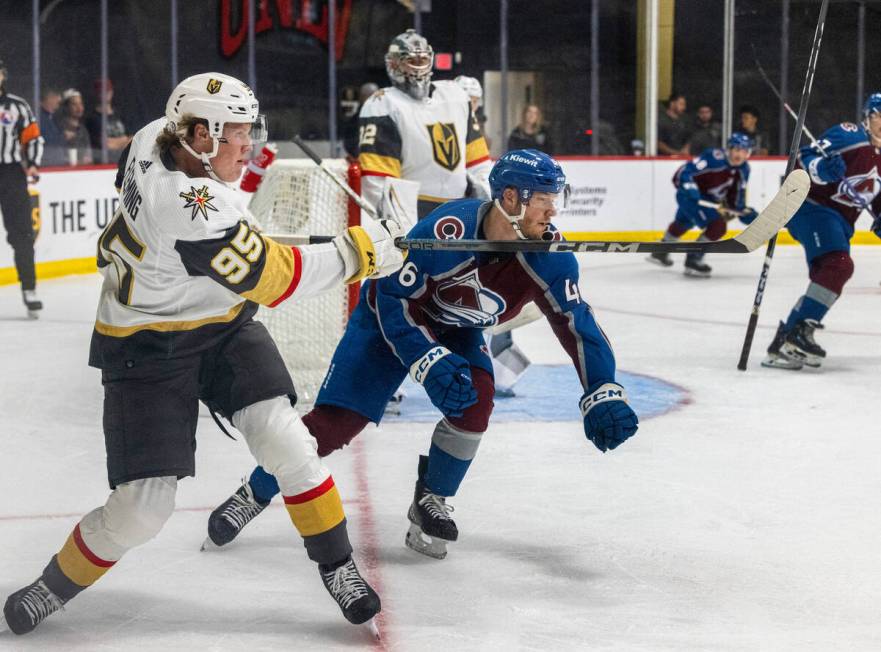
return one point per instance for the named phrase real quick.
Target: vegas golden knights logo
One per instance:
(445, 144)
(214, 86)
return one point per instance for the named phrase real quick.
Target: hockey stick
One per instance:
(766, 225)
(790, 164)
(727, 213)
(807, 132)
(358, 199)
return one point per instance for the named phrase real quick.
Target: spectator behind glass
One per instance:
(350, 127)
(530, 133)
(75, 138)
(749, 124)
(673, 132)
(707, 132)
(637, 147)
(53, 142)
(117, 138)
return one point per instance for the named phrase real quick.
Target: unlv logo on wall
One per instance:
(291, 14)
(463, 301)
(445, 144)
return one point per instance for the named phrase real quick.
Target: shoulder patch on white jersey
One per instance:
(199, 200)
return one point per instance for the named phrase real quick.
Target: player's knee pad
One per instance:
(832, 270)
(133, 514)
(476, 417)
(333, 427)
(716, 229)
(281, 444)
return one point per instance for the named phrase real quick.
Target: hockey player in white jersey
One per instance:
(184, 269)
(420, 131)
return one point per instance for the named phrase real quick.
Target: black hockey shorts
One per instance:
(151, 406)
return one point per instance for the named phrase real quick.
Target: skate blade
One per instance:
(33, 314)
(208, 545)
(696, 274)
(417, 540)
(372, 629)
(781, 362)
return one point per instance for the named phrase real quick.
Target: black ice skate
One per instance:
(229, 518)
(431, 526)
(800, 345)
(357, 600)
(660, 258)
(696, 267)
(776, 358)
(28, 607)
(32, 303)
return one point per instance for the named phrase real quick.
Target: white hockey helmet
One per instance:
(218, 99)
(470, 85)
(409, 62)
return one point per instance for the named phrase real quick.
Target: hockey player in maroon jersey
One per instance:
(710, 190)
(844, 167)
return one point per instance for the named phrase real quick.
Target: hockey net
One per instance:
(296, 197)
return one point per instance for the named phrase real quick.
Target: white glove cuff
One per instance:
(419, 369)
(605, 392)
(812, 170)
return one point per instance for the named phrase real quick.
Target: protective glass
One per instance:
(259, 133)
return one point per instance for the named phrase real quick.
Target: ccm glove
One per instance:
(369, 251)
(829, 169)
(608, 420)
(447, 380)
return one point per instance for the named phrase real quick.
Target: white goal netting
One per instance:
(296, 197)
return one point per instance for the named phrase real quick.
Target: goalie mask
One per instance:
(409, 62)
(218, 99)
(527, 171)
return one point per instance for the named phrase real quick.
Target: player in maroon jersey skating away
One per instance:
(710, 190)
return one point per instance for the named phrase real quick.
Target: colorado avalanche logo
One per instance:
(463, 301)
(718, 192)
(865, 185)
(449, 228)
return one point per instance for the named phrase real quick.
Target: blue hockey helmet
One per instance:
(528, 171)
(741, 140)
(872, 105)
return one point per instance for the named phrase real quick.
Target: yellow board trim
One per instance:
(783, 238)
(167, 326)
(476, 150)
(53, 269)
(387, 165)
(278, 272)
(319, 514)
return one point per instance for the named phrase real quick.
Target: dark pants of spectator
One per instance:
(15, 204)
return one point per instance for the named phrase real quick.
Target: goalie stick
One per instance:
(766, 225)
(790, 164)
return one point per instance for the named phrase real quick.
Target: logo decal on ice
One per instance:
(199, 200)
(867, 187)
(449, 228)
(463, 301)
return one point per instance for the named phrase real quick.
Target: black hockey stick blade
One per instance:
(290, 240)
(773, 218)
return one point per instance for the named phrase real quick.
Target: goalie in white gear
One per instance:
(184, 269)
(420, 131)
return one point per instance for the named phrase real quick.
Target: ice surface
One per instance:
(748, 519)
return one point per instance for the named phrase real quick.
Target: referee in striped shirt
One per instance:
(21, 148)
